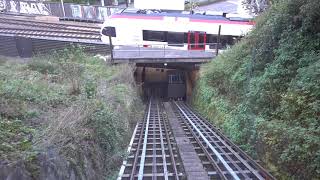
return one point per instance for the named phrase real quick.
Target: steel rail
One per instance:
(30, 28)
(40, 25)
(154, 152)
(35, 33)
(66, 39)
(218, 133)
(124, 163)
(10, 19)
(138, 148)
(170, 151)
(207, 154)
(165, 170)
(231, 150)
(226, 165)
(145, 140)
(223, 151)
(47, 31)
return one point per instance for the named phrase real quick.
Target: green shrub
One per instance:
(43, 66)
(264, 92)
(70, 104)
(14, 137)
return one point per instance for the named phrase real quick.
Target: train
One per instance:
(177, 30)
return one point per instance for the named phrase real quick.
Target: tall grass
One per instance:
(75, 105)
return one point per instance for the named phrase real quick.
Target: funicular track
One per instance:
(220, 157)
(154, 149)
(153, 154)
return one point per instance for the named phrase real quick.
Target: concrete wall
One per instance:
(191, 78)
(156, 75)
(55, 9)
(12, 45)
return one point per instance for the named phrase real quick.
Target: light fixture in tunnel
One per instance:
(165, 64)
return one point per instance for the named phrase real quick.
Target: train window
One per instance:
(186, 37)
(211, 38)
(154, 35)
(202, 37)
(109, 31)
(175, 38)
(192, 41)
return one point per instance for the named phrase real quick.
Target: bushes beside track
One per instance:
(65, 116)
(265, 91)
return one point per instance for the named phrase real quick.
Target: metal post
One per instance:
(111, 48)
(127, 4)
(62, 6)
(139, 50)
(218, 41)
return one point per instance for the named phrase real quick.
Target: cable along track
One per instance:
(222, 158)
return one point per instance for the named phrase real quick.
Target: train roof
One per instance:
(201, 15)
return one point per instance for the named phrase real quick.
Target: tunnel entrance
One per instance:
(166, 81)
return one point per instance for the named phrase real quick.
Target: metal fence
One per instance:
(68, 10)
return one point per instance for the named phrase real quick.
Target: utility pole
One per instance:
(218, 41)
(111, 48)
(62, 6)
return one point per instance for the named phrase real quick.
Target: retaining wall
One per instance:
(81, 11)
(13, 46)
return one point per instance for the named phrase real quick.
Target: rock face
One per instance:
(16, 172)
(49, 166)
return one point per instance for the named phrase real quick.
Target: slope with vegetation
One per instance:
(265, 91)
(65, 116)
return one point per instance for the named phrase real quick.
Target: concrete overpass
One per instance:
(140, 54)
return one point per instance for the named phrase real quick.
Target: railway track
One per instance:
(27, 27)
(160, 148)
(223, 159)
(153, 154)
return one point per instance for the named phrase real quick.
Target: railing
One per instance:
(195, 50)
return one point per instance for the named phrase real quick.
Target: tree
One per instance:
(256, 6)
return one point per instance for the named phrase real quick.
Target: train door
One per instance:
(197, 40)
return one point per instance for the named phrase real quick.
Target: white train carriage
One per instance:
(175, 30)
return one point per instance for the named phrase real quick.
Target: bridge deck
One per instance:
(143, 54)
